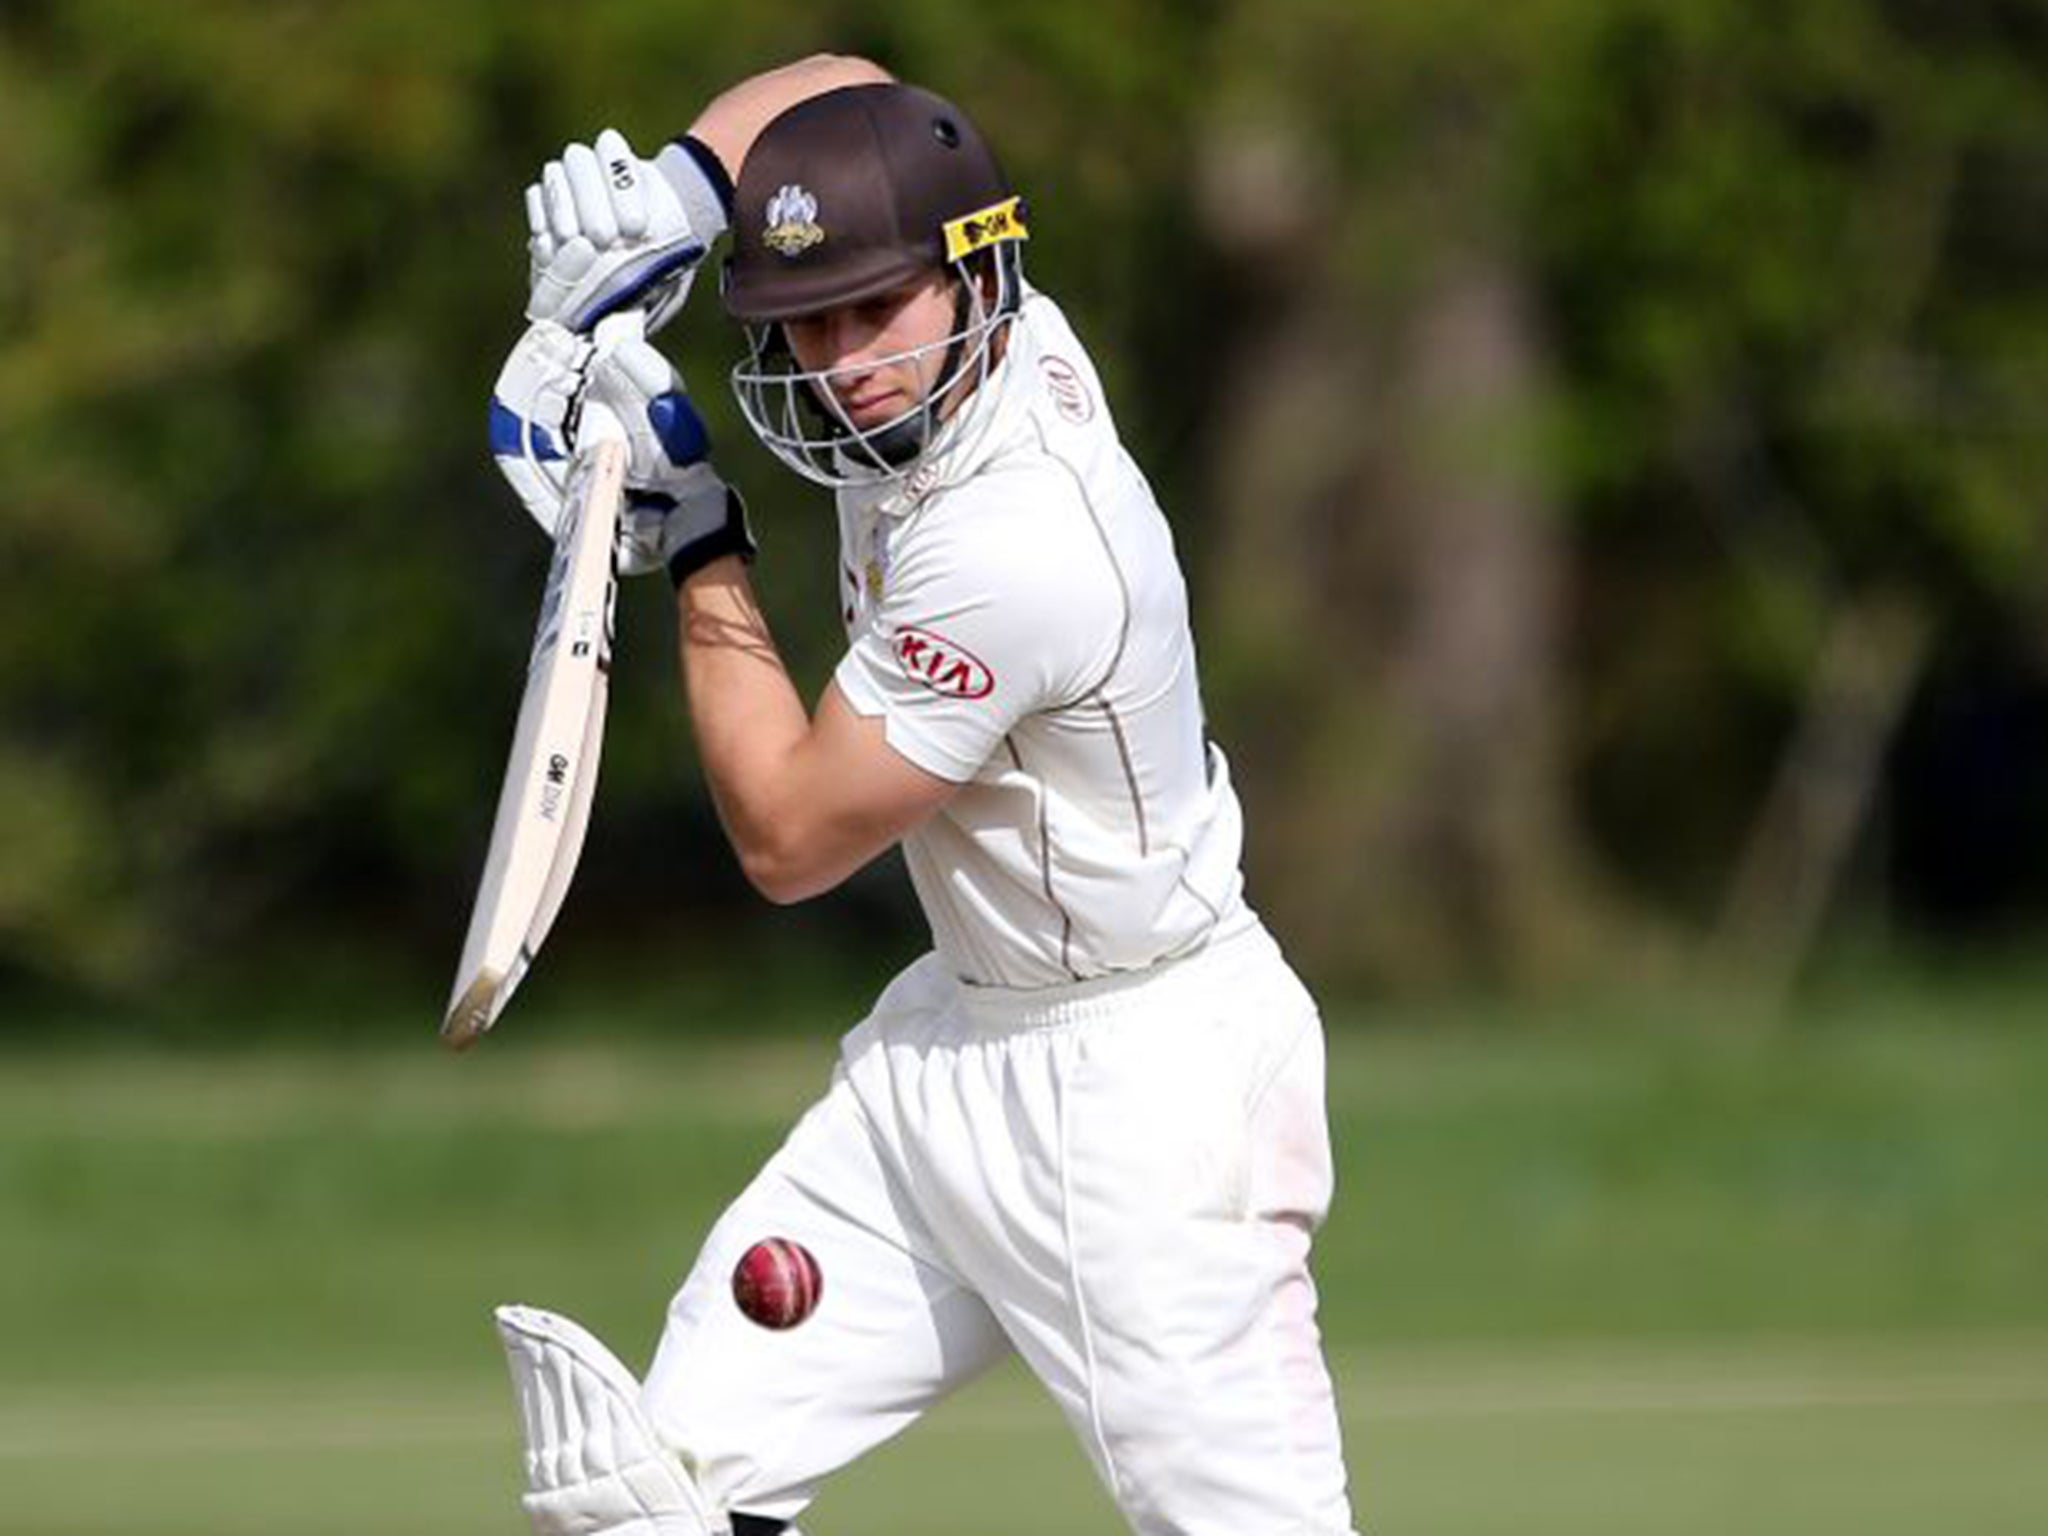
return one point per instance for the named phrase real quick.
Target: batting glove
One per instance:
(610, 231)
(680, 516)
(530, 409)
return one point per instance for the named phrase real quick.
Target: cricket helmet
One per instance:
(845, 196)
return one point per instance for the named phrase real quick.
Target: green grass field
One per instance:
(1640, 1275)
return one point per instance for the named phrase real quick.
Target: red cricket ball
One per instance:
(777, 1282)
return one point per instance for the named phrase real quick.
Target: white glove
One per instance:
(536, 405)
(679, 514)
(530, 408)
(609, 231)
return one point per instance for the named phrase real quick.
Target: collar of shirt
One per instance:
(992, 416)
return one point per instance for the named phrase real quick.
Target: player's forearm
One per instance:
(746, 712)
(752, 731)
(735, 118)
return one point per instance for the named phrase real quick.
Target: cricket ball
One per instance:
(777, 1282)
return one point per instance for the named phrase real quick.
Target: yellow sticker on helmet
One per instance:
(977, 231)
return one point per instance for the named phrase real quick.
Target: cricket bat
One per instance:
(551, 776)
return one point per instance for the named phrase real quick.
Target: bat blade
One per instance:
(551, 775)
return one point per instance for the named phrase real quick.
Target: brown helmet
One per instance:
(851, 193)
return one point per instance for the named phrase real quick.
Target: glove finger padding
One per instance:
(593, 196)
(530, 409)
(560, 202)
(663, 430)
(540, 240)
(642, 369)
(646, 223)
(594, 1464)
(679, 513)
(626, 190)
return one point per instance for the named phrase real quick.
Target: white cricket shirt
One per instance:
(1017, 617)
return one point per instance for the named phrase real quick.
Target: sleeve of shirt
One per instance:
(996, 613)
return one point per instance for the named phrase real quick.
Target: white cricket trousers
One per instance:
(1117, 1179)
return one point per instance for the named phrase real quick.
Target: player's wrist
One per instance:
(701, 182)
(715, 586)
(730, 545)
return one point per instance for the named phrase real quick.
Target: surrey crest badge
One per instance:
(792, 222)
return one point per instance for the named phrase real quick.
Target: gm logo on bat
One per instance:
(941, 665)
(557, 784)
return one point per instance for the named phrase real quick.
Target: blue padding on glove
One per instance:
(639, 281)
(680, 428)
(509, 435)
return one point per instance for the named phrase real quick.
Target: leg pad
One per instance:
(594, 1465)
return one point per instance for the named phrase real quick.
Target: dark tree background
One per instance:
(1607, 438)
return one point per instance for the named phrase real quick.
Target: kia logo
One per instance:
(941, 665)
(1069, 395)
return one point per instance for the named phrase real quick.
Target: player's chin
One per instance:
(871, 411)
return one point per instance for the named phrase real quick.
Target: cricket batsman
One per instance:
(1088, 1126)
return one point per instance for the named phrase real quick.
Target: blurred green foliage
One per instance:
(263, 605)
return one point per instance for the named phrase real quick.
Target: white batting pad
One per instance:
(594, 1466)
